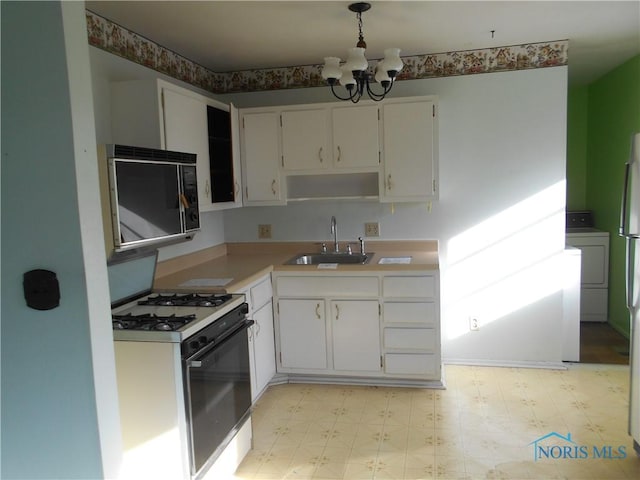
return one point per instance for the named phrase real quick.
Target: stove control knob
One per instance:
(202, 340)
(194, 346)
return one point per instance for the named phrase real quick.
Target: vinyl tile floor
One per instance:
(489, 422)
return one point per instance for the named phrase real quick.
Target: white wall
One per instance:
(59, 401)
(499, 219)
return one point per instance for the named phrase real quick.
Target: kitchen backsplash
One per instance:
(113, 38)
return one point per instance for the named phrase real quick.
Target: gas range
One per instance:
(170, 317)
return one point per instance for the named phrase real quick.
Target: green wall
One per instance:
(577, 105)
(613, 115)
(601, 118)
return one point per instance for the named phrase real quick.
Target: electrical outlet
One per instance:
(474, 324)
(264, 231)
(372, 229)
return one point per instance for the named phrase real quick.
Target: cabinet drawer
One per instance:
(261, 294)
(409, 287)
(410, 312)
(410, 338)
(327, 286)
(410, 364)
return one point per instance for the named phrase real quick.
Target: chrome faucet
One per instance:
(334, 231)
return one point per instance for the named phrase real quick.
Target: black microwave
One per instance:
(154, 196)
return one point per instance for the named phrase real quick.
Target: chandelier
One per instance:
(354, 74)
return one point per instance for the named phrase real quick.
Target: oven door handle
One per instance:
(191, 362)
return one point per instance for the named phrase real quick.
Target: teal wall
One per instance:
(49, 415)
(596, 153)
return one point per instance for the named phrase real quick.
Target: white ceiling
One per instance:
(241, 35)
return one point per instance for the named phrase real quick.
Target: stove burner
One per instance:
(189, 300)
(149, 321)
(164, 326)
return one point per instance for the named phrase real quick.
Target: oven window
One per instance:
(220, 395)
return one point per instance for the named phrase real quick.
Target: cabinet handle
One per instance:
(318, 311)
(320, 154)
(237, 190)
(339, 153)
(337, 312)
(273, 186)
(257, 326)
(207, 188)
(389, 182)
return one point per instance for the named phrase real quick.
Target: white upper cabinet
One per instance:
(356, 141)
(305, 142)
(185, 130)
(409, 151)
(158, 114)
(386, 150)
(329, 137)
(260, 152)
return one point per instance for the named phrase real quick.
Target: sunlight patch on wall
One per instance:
(506, 262)
(141, 461)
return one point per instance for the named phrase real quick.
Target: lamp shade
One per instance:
(392, 60)
(331, 68)
(381, 73)
(347, 77)
(356, 60)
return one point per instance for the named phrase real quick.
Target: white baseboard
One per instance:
(505, 363)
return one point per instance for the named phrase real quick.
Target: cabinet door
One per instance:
(235, 152)
(260, 154)
(264, 348)
(305, 143)
(409, 151)
(224, 157)
(302, 333)
(185, 130)
(136, 113)
(356, 335)
(355, 137)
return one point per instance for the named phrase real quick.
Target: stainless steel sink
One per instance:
(341, 258)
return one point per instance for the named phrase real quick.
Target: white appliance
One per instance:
(630, 230)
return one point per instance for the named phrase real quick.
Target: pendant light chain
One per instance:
(361, 43)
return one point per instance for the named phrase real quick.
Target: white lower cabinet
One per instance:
(378, 325)
(264, 364)
(419, 364)
(411, 325)
(302, 334)
(355, 329)
(262, 356)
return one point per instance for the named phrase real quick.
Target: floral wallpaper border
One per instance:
(115, 39)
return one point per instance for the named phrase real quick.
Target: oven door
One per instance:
(218, 395)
